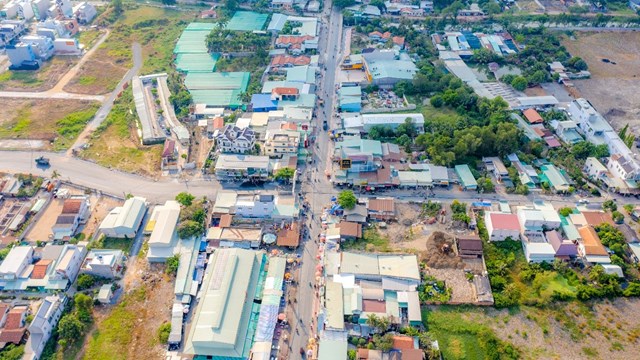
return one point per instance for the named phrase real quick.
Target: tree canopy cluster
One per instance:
(192, 216)
(221, 41)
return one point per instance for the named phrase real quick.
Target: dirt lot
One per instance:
(614, 89)
(146, 305)
(98, 75)
(8, 210)
(36, 118)
(40, 80)
(100, 207)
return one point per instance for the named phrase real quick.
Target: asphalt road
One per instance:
(86, 173)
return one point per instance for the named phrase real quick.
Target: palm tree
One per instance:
(55, 174)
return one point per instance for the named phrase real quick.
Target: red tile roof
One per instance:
(169, 148)
(398, 40)
(402, 342)
(281, 60)
(532, 116)
(591, 241)
(382, 205)
(504, 221)
(285, 91)
(40, 269)
(292, 39)
(374, 306)
(595, 218)
(412, 354)
(71, 206)
(289, 237)
(14, 318)
(218, 123)
(350, 229)
(225, 220)
(12, 336)
(289, 126)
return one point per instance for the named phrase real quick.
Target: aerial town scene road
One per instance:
(319, 179)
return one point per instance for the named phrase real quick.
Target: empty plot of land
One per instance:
(44, 119)
(38, 80)
(41, 230)
(614, 87)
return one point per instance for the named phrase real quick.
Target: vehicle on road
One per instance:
(42, 161)
(325, 126)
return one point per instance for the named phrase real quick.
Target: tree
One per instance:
(458, 207)
(172, 264)
(12, 352)
(84, 305)
(565, 211)
(69, 327)
(436, 101)
(347, 199)
(117, 6)
(519, 83)
(285, 173)
(163, 332)
(185, 199)
(231, 5)
(610, 205)
(484, 56)
(55, 174)
(189, 228)
(577, 63)
(485, 185)
(85, 281)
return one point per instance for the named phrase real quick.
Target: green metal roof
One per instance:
(247, 21)
(465, 175)
(196, 62)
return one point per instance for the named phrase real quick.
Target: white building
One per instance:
(235, 140)
(85, 13)
(124, 221)
(75, 211)
(16, 262)
(43, 323)
(255, 206)
(366, 121)
(162, 241)
(281, 142)
(103, 263)
(501, 226)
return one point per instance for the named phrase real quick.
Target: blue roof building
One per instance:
(263, 103)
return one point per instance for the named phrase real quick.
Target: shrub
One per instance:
(163, 332)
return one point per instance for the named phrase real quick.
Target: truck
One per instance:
(42, 161)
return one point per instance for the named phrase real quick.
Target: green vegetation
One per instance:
(104, 242)
(26, 78)
(114, 333)
(434, 290)
(372, 241)
(87, 80)
(185, 199)
(403, 135)
(347, 199)
(163, 332)
(284, 174)
(172, 264)
(224, 41)
(12, 352)
(256, 64)
(72, 326)
(431, 209)
(192, 217)
(69, 127)
(460, 338)
(85, 281)
(459, 211)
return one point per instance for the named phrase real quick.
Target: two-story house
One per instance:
(42, 325)
(103, 263)
(75, 211)
(235, 140)
(281, 142)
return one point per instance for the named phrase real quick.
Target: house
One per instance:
(567, 131)
(383, 69)
(382, 209)
(254, 206)
(352, 62)
(469, 246)
(350, 230)
(538, 251)
(296, 44)
(162, 226)
(536, 219)
(630, 235)
(234, 237)
(282, 4)
(472, 12)
(14, 327)
(595, 218)
(17, 260)
(281, 142)
(555, 178)
(105, 294)
(379, 37)
(103, 263)
(623, 167)
(496, 167)
(564, 248)
(412, 12)
(242, 167)
(289, 236)
(350, 98)
(280, 62)
(233, 139)
(43, 324)
(124, 221)
(75, 211)
(501, 226)
(84, 13)
(590, 248)
(221, 322)
(467, 180)
(169, 156)
(532, 116)
(358, 214)
(368, 121)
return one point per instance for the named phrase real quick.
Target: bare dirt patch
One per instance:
(99, 75)
(42, 229)
(40, 80)
(614, 87)
(36, 118)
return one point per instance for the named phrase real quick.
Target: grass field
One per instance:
(155, 29)
(39, 80)
(372, 241)
(57, 121)
(116, 144)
